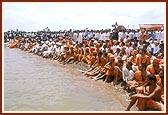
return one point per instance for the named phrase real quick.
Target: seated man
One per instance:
(150, 99)
(154, 67)
(139, 78)
(109, 68)
(118, 71)
(127, 72)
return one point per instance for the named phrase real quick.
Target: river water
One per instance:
(32, 83)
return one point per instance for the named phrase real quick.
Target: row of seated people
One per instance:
(112, 64)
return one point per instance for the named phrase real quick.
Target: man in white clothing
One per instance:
(127, 72)
(156, 47)
(80, 37)
(102, 36)
(97, 35)
(128, 49)
(75, 36)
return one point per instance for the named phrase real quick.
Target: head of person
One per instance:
(143, 67)
(129, 65)
(160, 55)
(151, 79)
(94, 53)
(118, 50)
(111, 57)
(149, 53)
(120, 61)
(134, 53)
(144, 51)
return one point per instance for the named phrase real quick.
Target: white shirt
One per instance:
(102, 36)
(61, 49)
(127, 74)
(80, 37)
(128, 51)
(162, 36)
(156, 49)
(157, 35)
(107, 36)
(114, 47)
(97, 35)
(75, 36)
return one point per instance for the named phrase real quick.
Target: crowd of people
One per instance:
(134, 57)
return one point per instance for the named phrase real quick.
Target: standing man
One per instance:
(115, 35)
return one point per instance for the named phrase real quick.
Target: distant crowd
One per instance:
(134, 57)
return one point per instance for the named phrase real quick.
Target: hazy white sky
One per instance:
(63, 15)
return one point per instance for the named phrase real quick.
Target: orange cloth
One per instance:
(92, 49)
(110, 69)
(133, 60)
(150, 68)
(161, 61)
(139, 80)
(156, 60)
(93, 59)
(94, 52)
(143, 59)
(135, 52)
(109, 72)
(138, 75)
(13, 44)
(111, 56)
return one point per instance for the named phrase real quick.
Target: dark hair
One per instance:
(152, 78)
(144, 50)
(130, 63)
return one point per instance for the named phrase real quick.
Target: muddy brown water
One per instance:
(32, 83)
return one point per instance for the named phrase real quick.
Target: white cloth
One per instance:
(162, 36)
(97, 35)
(75, 36)
(102, 36)
(157, 35)
(156, 49)
(80, 37)
(127, 75)
(128, 51)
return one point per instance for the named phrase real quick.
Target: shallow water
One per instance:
(32, 83)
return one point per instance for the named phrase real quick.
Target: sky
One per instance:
(77, 15)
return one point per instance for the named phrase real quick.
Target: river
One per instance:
(32, 83)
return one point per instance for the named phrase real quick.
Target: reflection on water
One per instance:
(32, 83)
